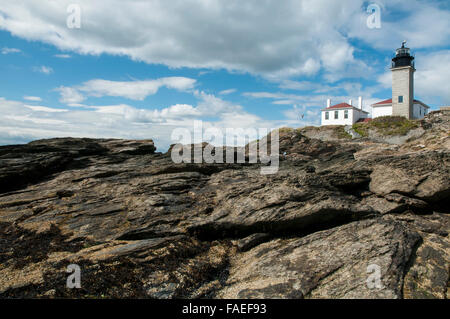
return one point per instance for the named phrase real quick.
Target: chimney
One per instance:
(360, 103)
(350, 102)
(328, 103)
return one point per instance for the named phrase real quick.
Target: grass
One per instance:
(336, 130)
(288, 130)
(342, 133)
(285, 130)
(362, 129)
(386, 126)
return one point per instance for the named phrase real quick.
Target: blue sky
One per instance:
(140, 69)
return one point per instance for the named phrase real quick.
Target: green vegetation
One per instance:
(337, 131)
(285, 130)
(386, 126)
(288, 130)
(342, 133)
(362, 129)
(311, 128)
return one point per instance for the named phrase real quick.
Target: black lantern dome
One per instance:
(403, 57)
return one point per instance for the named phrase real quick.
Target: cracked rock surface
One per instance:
(140, 226)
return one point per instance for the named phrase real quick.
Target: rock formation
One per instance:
(140, 226)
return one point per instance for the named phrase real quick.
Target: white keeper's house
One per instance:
(343, 113)
(402, 102)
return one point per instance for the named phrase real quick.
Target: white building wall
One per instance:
(357, 115)
(381, 111)
(341, 120)
(403, 85)
(419, 111)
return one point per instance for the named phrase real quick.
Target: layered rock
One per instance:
(139, 225)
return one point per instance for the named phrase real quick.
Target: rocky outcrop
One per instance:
(336, 215)
(327, 264)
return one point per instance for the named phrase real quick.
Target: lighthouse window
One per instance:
(346, 114)
(336, 115)
(327, 115)
(400, 99)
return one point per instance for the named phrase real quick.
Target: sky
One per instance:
(138, 69)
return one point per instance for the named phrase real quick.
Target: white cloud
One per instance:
(227, 92)
(34, 120)
(63, 56)
(23, 123)
(20, 123)
(309, 102)
(211, 106)
(301, 85)
(277, 39)
(317, 87)
(423, 24)
(385, 79)
(70, 96)
(304, 116)
(32, 98)
(272, 95)
(10, 50)
(432, 82)
(133, 90)
(284, 102)
(43, 69)
(178, 112)
(38, 108)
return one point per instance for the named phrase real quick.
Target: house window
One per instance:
(400, 99)
(336, 115)
(327, 115)
(346, 114)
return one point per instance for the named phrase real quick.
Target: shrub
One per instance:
(342, 133)
(386, 125)
(362, 129)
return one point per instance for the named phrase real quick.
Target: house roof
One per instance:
(383, 102)
(342, 106)
(387, 102)
(367, 120)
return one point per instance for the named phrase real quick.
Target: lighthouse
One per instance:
(402, 102)
(403, 82)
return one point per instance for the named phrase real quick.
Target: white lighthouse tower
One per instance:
(402, 102)
(403, 82)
